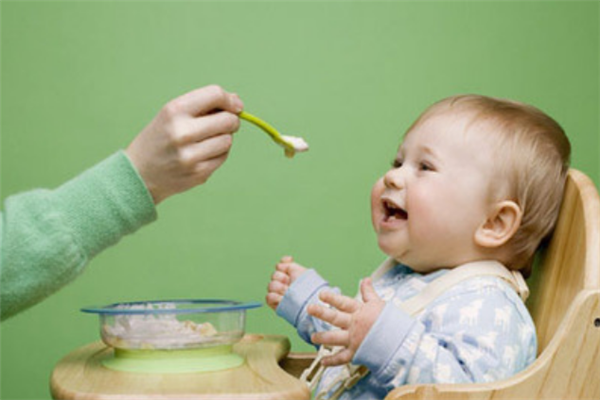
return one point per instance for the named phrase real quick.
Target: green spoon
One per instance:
(290, 144)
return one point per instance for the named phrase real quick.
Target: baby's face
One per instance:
(426, 209)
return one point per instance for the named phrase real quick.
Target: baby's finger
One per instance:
(273, 300)
(331, 338)
(287, 259)
(284, 267)
(334, 317)
(367, 290)
(277, 287)
(339, 358)
(341, 302)
(281, 277)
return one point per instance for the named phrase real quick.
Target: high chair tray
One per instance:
(81, 375)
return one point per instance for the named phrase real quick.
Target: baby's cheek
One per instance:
(426, 218)
(419, 207)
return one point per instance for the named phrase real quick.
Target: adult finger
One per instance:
(367, 290)
(331, 338)
(341, 302)
(277, 287)
(203, 170)
(198, 129)
(334, 317)
(339, 358)
(208, 149)
(206, 99)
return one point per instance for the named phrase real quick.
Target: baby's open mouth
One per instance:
(393, 211)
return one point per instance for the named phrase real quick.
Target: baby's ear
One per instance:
(501, 224)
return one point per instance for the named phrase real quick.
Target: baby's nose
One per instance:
(394, 179)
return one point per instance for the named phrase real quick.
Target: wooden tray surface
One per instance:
(80, 375)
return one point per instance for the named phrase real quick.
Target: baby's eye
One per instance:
(424, 166)
(396, 163)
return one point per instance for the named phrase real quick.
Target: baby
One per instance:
(476, 184)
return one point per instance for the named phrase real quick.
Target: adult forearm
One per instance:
(48, 236)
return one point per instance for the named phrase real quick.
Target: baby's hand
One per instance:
(287, 271)
(354, 319)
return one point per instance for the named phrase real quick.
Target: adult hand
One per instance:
(354, 319)
(286, 272)
(187, 141)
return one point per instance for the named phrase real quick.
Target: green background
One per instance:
(81, 79)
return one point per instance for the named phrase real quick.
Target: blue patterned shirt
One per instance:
(477, 331)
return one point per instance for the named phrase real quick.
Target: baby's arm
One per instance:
(475, 336)
(291, 290)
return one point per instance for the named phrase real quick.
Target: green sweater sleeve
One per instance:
(48, 236)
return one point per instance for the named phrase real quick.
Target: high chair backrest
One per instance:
(565, 306)
(571, 262)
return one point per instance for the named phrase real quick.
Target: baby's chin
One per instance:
(398, 254)
(415, 260)
(408, 259)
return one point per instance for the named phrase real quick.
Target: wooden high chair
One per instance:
(565, 306)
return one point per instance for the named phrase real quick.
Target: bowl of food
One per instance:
(172, 336)
(172, 324)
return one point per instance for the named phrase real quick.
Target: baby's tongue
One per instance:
(400, 214)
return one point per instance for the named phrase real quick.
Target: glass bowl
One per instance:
(172, 324)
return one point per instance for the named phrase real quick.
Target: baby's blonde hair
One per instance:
(532, 153)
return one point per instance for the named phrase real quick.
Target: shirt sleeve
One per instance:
(303, 292)
(48, 236)
(475, 336)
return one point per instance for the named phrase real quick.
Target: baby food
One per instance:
(150, 331)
